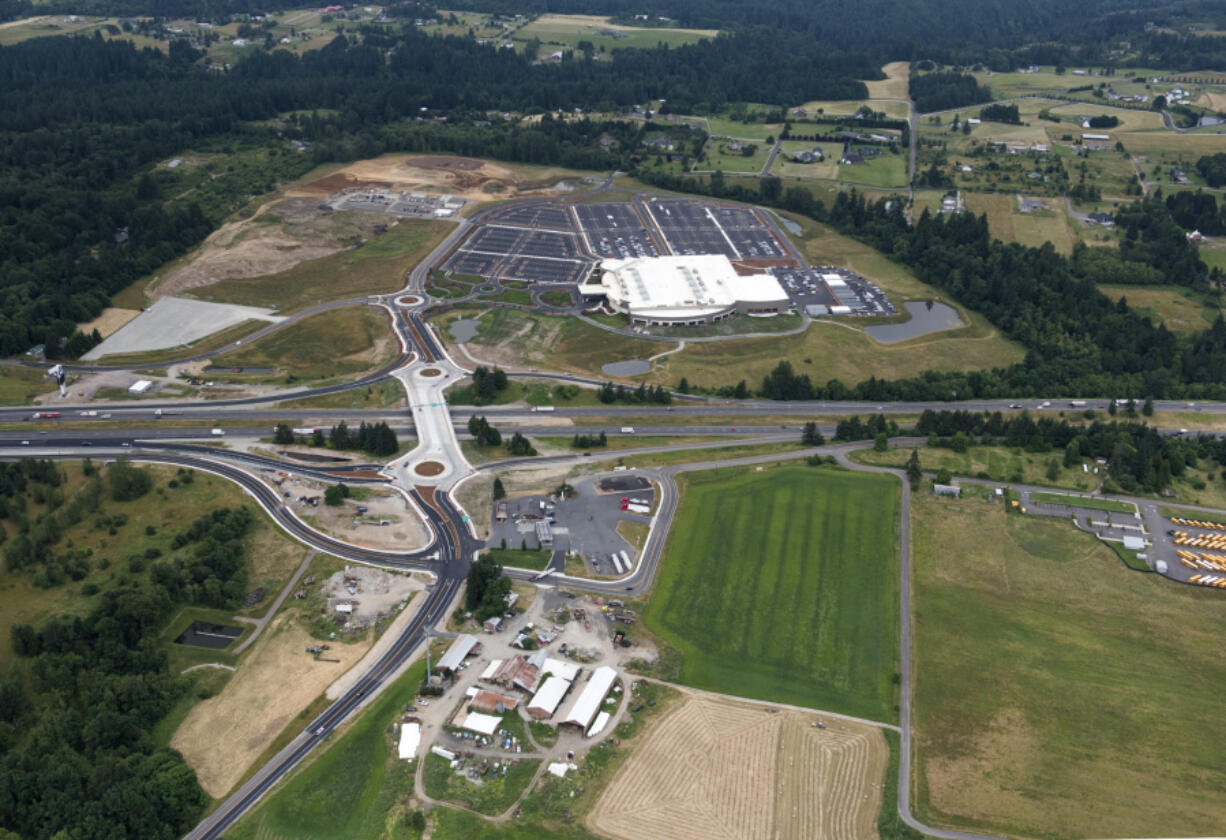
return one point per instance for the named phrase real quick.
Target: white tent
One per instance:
(481, 723)
(410, 739)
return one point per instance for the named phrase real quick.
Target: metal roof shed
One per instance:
(546, 700)
(481, 723)
(459, 650)
(584, 711)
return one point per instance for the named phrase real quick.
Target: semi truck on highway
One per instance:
(1077, 403)
(46, 415)
(543, 408)
(303, 431)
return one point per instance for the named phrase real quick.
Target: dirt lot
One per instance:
(466, 178)
(277, 237)
(111, 319)
(224, 734)
(719, 768)
(373, 592)
(405, 530)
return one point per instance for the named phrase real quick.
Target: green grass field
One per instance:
(376, 268)
(1179, 308)
(336, 342)
(493, 797)
(20, 385)
(1083, 502)
(1057, 693)
(998, 463)
(532, 558)
(1033, 229)
(783, 585)
(884, 170)
(720, 157)
(569, 30)
(350, 791)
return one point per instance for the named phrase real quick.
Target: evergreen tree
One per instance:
(914, 473)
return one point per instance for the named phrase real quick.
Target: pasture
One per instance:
(1009, 224)
(569, 30)
(998, 463)
(782, 585)
(883, 170)
(1179, 308)
(720, 156)
(1058, 694)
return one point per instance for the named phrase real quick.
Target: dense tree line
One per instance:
(943, 91)
(487, 384)
(488, 588)
(483, 433)
(589, 441)
(642, 395)
(1197, 211)
(1138, 458)
(1213, 169)
(999, 112)
(371, 438)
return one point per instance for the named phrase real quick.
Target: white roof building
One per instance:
(558, 667)
(584, 711)
(547, 698)
(481, 723)
(1134, 543)
(459, 650)
(140, 386)
(602, 720)
(410, 740)
(687, 289)
(490, 670)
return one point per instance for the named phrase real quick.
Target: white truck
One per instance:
(543, 408)
(218, 433)
(627, 430)
(1077, 403)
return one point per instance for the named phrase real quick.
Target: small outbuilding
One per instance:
(1134, 544)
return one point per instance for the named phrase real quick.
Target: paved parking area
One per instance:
(586, 523)
(544, 216)
(614, 231)
(689, 228)
(173, 322)
(828, 286)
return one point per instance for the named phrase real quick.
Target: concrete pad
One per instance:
(172, 322)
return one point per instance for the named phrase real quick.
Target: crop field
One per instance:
(332, 343)
(569, 30)
(353, 790)
(782, 585)
(716, 768)
(1058, 694)
(1009, 224)
(1179, 308)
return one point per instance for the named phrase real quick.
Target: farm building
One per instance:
(947, 490)
(1134, 544)
(463, 647)
(480, 723)
(491, 703)
(687, 289)
(547, 698)
(588, 704)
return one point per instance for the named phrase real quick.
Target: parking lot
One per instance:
(825, 287)
(541, 216)
(586, 523)
(614, 231)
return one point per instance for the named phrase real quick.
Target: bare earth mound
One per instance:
(223, 735)
(722, 769)
(466, 178)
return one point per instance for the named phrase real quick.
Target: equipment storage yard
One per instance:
(722, 768)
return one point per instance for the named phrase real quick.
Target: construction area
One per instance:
(724, 768)
(359, 596)
(380, 519)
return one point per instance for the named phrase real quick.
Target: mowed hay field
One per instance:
(718, 768)
(1032, 229)
(782, 585)
(1058, 694)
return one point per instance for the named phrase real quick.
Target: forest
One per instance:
(76, 754)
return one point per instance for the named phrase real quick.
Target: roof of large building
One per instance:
(482, 723)
(410, 740)
(558, 667)
(585, 708)
(458, 651)
(549, 695)
(680, 286)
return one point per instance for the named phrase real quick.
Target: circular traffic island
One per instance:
(431, 372)
(429, 468)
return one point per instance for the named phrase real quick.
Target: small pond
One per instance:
(206, 635)
(464, 329)
(630, 367)
(926, 317)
